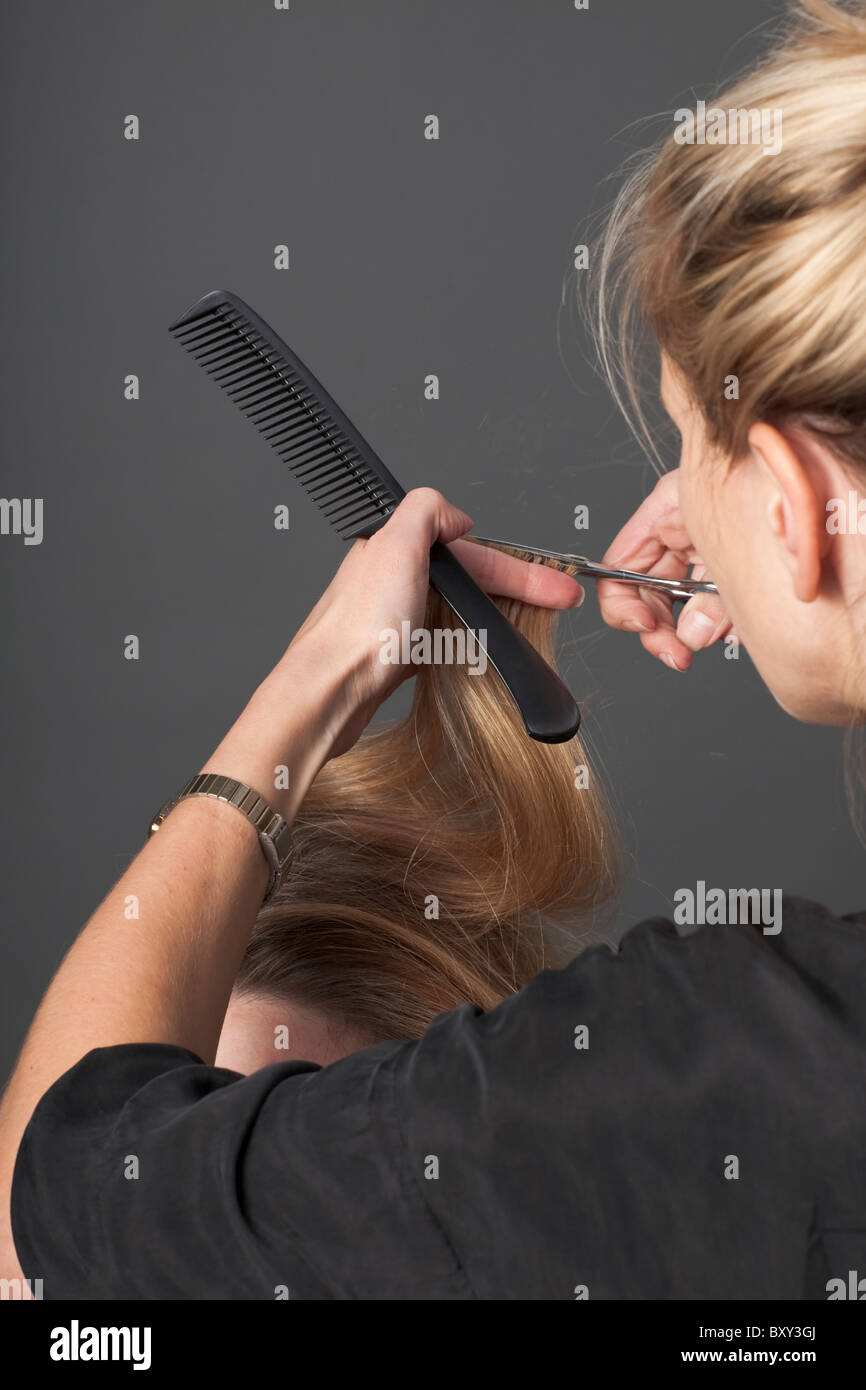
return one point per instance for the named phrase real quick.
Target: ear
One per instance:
(797, 508)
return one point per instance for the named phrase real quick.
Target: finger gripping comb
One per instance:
(352, 486)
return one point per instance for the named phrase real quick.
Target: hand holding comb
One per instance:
(350, 483)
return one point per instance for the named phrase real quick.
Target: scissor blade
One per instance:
(565, 559)
(676, 588)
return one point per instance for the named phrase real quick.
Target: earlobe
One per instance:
(796, 513)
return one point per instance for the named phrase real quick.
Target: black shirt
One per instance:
(708, 1142)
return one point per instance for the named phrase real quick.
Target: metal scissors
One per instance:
(677, 589)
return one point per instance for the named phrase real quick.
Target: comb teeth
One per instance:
(293, 412)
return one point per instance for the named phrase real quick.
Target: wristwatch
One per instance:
(275, 836)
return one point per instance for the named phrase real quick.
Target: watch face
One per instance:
(282, 842)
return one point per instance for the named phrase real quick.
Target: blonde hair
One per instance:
(443, 860)
(753, 264)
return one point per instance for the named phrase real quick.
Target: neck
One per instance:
(259, 1031)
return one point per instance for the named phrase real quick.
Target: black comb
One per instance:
(352, 486)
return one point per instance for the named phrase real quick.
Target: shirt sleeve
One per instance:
(648, 1122)
(146, 1174)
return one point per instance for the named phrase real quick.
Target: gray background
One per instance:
(260, 127)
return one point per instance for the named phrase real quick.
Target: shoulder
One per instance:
(730, 994)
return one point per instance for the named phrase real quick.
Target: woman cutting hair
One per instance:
(681, 1118)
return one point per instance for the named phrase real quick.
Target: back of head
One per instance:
(739, 240)
(443, 860)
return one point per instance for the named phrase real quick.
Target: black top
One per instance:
(709, 1142)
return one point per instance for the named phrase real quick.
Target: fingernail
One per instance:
(633, 625)
(578, 602)
(695, 629)
(669, 661)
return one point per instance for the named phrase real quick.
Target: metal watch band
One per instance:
(275, 836)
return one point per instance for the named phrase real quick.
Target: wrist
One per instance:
(288, 729)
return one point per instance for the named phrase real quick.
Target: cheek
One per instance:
(694, 505)
(710, 509)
